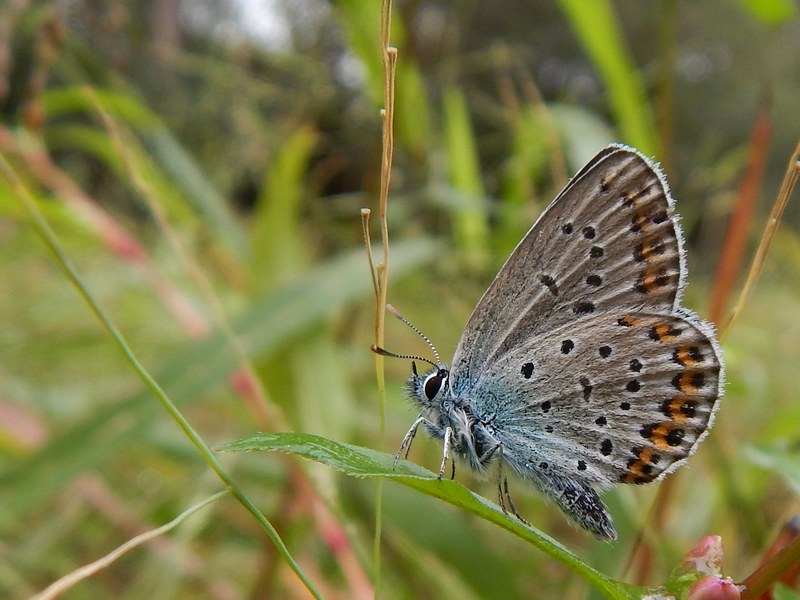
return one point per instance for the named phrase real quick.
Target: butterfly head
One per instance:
(430, 388)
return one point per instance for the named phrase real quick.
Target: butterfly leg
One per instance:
(409, 437)
(503, 494)
(448, 440)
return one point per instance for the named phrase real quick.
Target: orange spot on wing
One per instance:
(688, 356)
(664, 333)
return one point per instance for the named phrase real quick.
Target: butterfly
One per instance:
(579, 369)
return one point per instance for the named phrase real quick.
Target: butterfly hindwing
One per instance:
(609, 399)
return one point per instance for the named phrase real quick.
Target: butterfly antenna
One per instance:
(413, 328)
(385, 352)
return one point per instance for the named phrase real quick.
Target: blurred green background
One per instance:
(203, 165)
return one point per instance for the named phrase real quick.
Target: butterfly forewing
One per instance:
(608, 241)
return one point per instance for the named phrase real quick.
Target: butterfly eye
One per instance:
(433, 383)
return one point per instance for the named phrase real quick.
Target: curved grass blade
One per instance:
(364, 462)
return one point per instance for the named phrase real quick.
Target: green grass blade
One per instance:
(771, 12)
(201, 194)
(48, 237)
(172, 158)
(597, 29)
(364, 462)
(471, 227)
(413, 120)
(277, 242)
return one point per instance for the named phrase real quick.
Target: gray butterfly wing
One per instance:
(622, 250)
(578, 358)
(620, 397)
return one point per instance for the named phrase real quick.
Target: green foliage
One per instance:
(204, 192)
(471, 229)
(363, 462)
(771, 12)
(596, 27)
